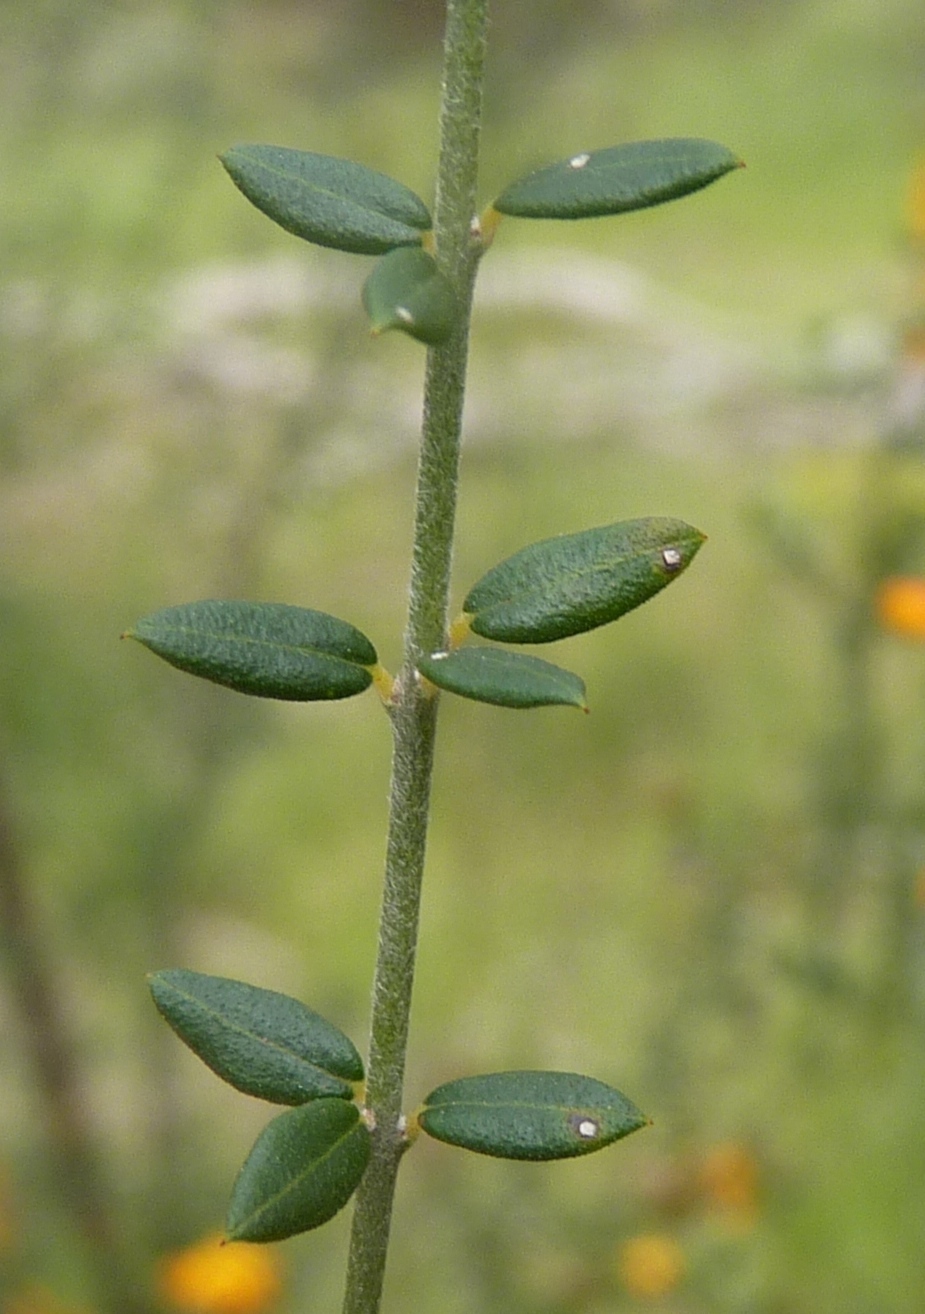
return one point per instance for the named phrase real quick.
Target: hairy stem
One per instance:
(413, 712)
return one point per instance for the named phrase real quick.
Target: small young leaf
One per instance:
(573, 583)
(629, 177)
(529, 1115)
(507, 679)
(264, 648)
(329, 201)
(407, 291)
(304, 1167)
(261, 1042)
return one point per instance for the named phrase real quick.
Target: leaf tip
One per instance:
(226, 160)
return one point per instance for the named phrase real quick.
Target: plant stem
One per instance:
(414, 713)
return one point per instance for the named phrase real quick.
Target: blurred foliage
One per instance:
(711, 886)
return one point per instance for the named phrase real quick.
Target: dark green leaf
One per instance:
(304, 1167)
(327, 200)
(629, 177)
(263, 648)
(529, 1115)
(407, 291)
(261, 1042)
(574, 583)
(508, 679)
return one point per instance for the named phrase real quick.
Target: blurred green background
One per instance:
(707, 891)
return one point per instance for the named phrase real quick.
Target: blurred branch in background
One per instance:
(46, 1035)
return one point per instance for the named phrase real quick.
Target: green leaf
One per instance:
(507, 679)
(529, 1115)
(304, 1167)
(264, 648)
(327, 200)
(261, 1042)
(629, 177)
(573, 583)
(407, 291)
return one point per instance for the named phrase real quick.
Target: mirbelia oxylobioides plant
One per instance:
(347, 1131)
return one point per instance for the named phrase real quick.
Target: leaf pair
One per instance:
(339, 203)
(306, 1163)
(551, 590)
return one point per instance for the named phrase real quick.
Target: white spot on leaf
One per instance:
(671, 558)
(404, 314)
(578, 161)
(587, 1129)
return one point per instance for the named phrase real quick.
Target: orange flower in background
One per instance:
(650, 1265)
(913, 343)
(729, 1180)
(900, 606)
(7, 1214)
(214, 1278)
(919, 892)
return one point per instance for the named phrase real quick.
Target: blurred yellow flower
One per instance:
(215, 1278)
(915, 203)
(729, 1180)
(650, 1265)
(900, 606)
